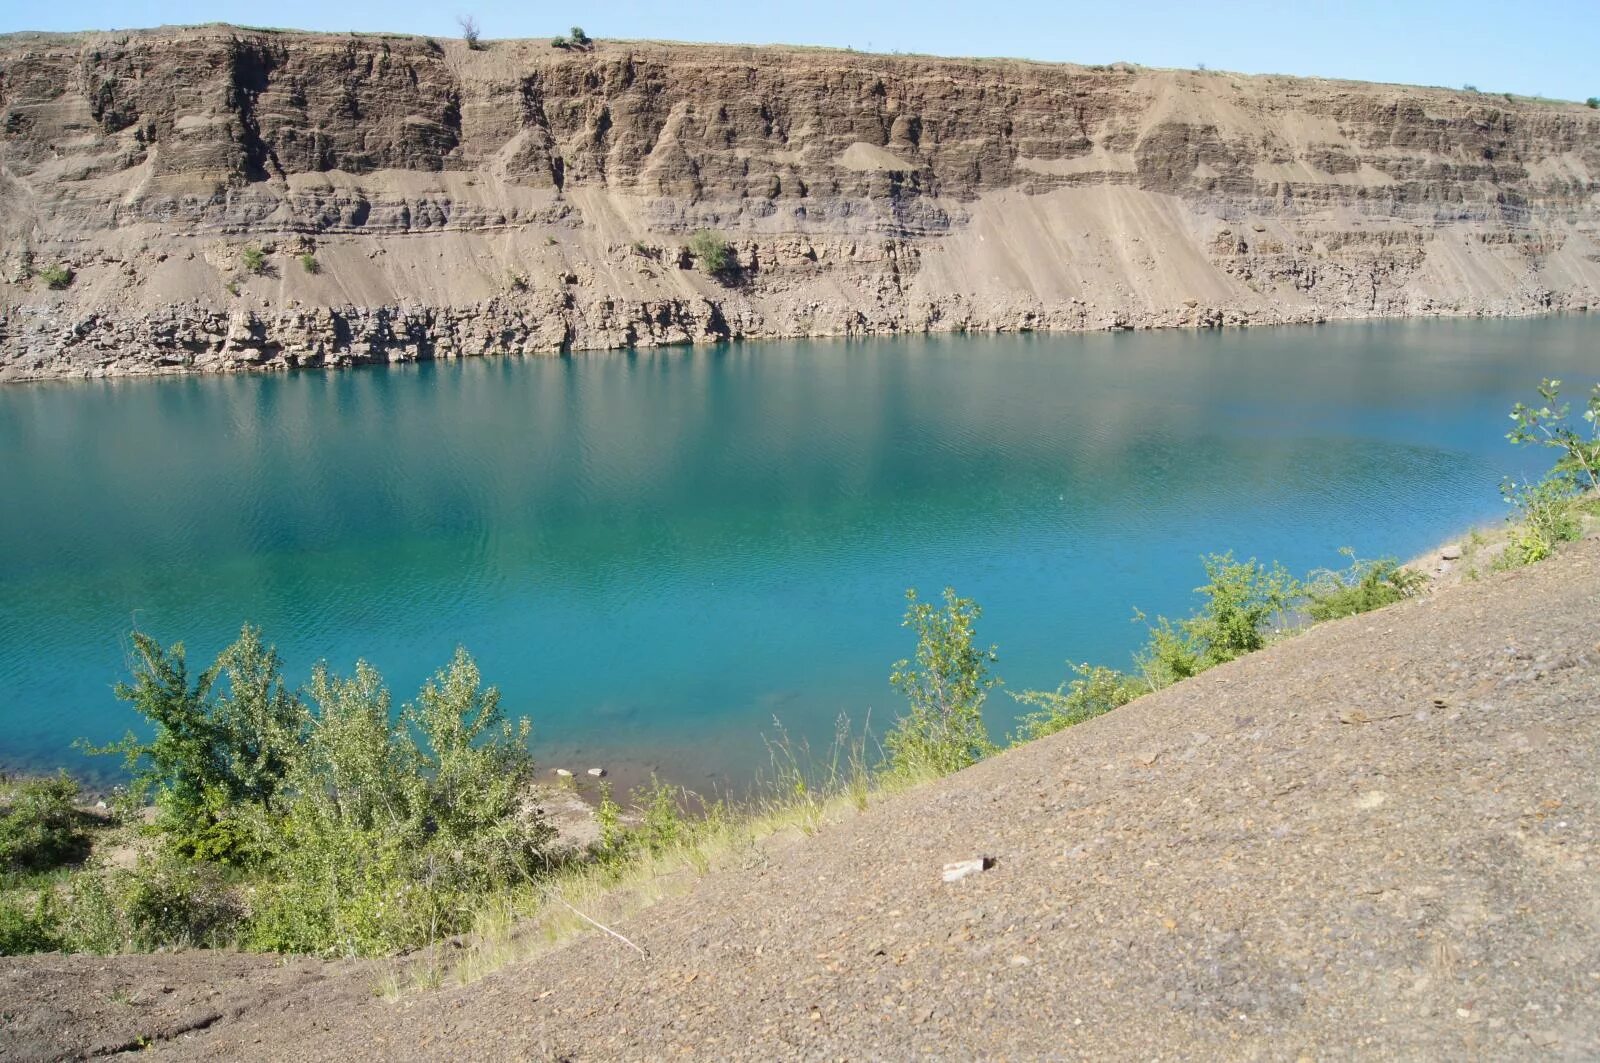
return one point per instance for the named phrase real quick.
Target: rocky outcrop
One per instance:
(414, 199)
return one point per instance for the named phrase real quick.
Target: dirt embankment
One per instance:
(1379, 839)
(414, 199)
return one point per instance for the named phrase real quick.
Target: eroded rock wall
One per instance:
(414, 199)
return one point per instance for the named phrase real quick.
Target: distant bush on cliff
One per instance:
(309, 263)
(56, 277)
(1593, 101)
(469, 32)
(711, 252)
(254, 259)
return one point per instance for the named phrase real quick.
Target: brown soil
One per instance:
(1378, 839)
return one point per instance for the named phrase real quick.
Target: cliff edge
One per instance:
(413, 198)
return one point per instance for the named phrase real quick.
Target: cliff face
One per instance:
(523, 198)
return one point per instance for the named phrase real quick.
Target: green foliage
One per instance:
(1360, 588)
(580, 38)
(1548, 426)
(1242, 598)
(710, 249)
(28, 924)
(309, 263)
(40, 828)
(209, 755)
(56, 277)
(608, 817)
(1593, 101)
(945, 687)
(358, 834)
(254, 259)
(1096, 691)
(560, 42)
(1543, 517)
(167, 902)
(664, 825)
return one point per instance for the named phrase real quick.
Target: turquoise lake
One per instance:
(656, 554)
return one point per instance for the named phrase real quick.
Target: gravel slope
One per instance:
(1376, 840)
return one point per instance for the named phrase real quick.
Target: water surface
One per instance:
(654, 554)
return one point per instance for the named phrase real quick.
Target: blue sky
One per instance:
(1545, 47)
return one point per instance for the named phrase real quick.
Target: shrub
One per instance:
(28, 926)
(1096, 691)
(165, 902)
(663, 824)
(1593, 101)
(1364, 586)
(254, 259)
(945, 686)
(711, 251)
(560, 42)
(469, 32)
(1544, 517)
(39, 826)
(580, 38)
(360, 834)
(1242, 598)
(1548, 426)
(309, 263)
(208, 754)
(56, 277)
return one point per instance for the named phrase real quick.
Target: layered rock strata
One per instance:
(218, 199)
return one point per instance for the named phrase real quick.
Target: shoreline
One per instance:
(253, 367)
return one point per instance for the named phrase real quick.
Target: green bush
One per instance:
(40, 827)
(166, 902)
(309, 263)
(1242, 599)
(710, 249)
(1593, 101)
(945, 686)
(358, 833)
(1548, 426)
(254, 258)
(1096, 691)
(1360, 588)
(1543, 517)
(28, 925)
(56, 277)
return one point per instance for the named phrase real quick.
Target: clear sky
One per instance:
(1534, 47)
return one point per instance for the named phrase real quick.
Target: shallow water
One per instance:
(655, 554)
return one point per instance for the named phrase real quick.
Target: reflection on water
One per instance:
(654, 554)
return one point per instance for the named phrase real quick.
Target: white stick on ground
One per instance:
(607, 929)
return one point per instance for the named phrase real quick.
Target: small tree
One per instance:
(580, 38)
(1593, 101)
(945, 686)
(255, 259)
(1548, 426)
(469, 31)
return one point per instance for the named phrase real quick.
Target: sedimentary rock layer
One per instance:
(413, 198)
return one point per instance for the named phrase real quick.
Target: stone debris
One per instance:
(961, 869)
